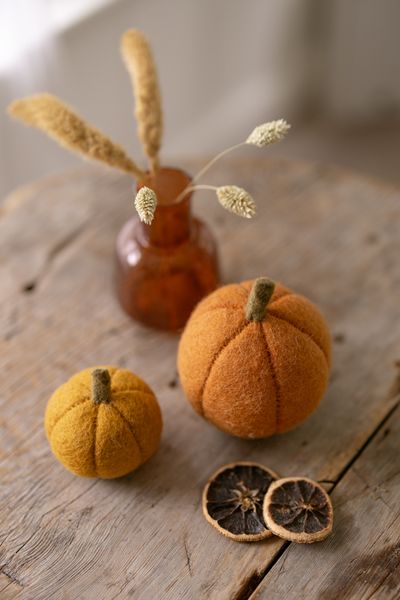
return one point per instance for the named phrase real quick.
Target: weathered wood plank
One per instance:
(361, 559)
(9, 587)
(328, 234)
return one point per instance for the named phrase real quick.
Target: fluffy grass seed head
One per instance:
(146, 204)
(236, 200)
(268, 133)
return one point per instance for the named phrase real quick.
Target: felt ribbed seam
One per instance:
(274, 379)
(95, 441)
(215, 358)
(131, 430)
(305, 333)
(75, 405)
(242, 328)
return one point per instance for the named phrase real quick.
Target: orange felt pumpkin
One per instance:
(254, 358)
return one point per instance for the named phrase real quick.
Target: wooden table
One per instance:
(327, 233)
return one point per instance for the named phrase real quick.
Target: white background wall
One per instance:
(361, 75)
(224, 65)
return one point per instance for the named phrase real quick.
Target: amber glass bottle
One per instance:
(164, 269)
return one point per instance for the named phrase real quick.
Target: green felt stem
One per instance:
(101, 386)
(259, 297)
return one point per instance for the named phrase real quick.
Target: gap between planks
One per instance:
(253, 581)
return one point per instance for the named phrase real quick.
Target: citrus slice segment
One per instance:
(233, 500)
(298, 509)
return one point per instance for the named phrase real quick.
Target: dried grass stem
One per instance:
(139, 62)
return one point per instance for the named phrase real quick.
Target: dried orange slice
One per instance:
(233, 500)
(298, 509)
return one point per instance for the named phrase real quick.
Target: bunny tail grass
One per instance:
(236, 200)
(139, 62)
(146, 204)
(51, 115)
(268, 133)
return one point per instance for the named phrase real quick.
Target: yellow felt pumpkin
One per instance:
(254, 358)
(103, 422)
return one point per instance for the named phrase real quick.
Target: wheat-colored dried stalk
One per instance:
(51, 115)
(138, 59)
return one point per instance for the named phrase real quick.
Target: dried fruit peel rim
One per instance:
(245, 537)
(282, 532)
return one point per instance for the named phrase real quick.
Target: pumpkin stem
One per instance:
(101, 386)
(259, 297)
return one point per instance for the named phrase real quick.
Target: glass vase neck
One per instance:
(172, 221)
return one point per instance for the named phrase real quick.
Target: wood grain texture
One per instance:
(322, 231)
(361, 559)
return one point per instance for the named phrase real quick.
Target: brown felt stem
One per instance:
(260, 295)
(101, 386)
